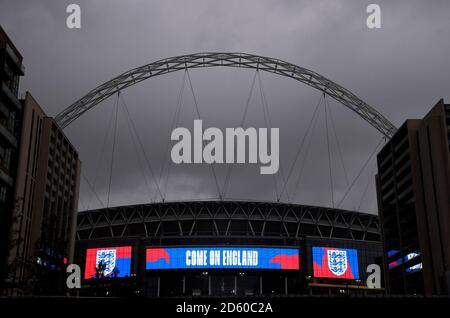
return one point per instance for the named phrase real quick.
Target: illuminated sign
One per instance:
(408, 257)
(108, 262)
(331, 262)
(222, 257)
(414, 268)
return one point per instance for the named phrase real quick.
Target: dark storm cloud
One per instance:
(401, 70)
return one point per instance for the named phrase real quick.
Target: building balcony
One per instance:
(6, 178)
(11, 97)
(4, 110)
(20, 69)
(6, 134)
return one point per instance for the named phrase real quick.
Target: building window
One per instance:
(5, 157)
(2, 194)
(12, 122)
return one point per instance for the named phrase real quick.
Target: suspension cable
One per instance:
(198, 116)
(113, 150)
(102, 152)
(269, 126)
(149, 166)
(367, 186)
(141, 166)
(315, 119)
(301, 144)
(83, 206)
(92, 189)
(328, 150)
(333, 126)
(244, 116)
(175, 122)
(360, 172)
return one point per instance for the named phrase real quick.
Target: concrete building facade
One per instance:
(47, 202)
(11, 69)
(413, 186)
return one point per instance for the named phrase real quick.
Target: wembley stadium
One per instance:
(220, 248)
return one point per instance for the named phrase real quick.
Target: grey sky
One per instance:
(401, 69)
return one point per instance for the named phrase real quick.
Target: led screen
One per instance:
(414, 268)
(331, 262)
(408, 257)
(222, 257)
(392, 252)
(116, 261)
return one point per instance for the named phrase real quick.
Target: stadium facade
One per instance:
(220, 248)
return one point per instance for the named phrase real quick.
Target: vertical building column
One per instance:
(285, 285)
(159, 287)
(260, 285)
(209, 285)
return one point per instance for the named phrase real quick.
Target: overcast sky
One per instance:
(402, 70)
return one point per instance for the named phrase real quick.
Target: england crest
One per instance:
(337, 262)
(108, 258)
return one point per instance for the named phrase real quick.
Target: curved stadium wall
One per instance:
(260, 248)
